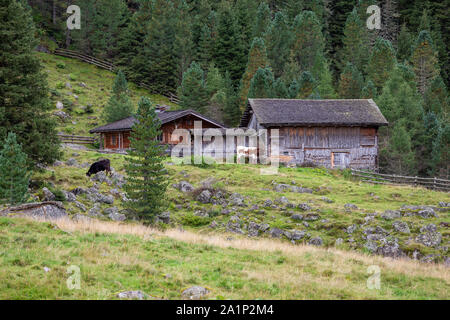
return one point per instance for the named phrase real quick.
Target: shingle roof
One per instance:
(165, 117)
(289, 112)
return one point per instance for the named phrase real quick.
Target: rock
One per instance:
(287, 187)
(234, 225)
(253, 229)
(283, 200)
(276, 232)
(311, 217)
(82, 84)
(47, 210)
(213, 225)
(391, 215)
(304, 207)
(306, 224)
(267, 203)
(68, 85)
(317, 241)
(351, 229)
(389, 248)
(46, 269)
(429, 236)
(295, 235)
(59, 105)
(427, 213)
(444, 205)
(62, 115)
(70, 197)
(339, 241)
(101, 177)
(95, 211)
(115, 216)
(184, 186)
(225, 212)
(117, 179)
(132, 295)
(327, 200)
(94, 196)
(401, 227)
(204, 196)
(81, 218)
(71, 162)
(48, 195)
(208, 183)
(80, 206)
(164, 217)
(350, 206)
(237, 199)
(194, 293)
(297, 217)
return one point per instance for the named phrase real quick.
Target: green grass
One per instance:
(97, 92)
(163, 267)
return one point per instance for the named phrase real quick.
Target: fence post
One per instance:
(434, 184)
(415, 181)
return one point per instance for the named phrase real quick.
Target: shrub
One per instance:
(194, 221)
(89, 109)
(60, 65)
(60, 85)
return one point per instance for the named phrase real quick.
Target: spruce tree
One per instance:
(425, 61)
(307, 85)
(381, 62)
(369, 91)
(14, 174)
(193, 92)
(404, 43)
(293, 89)
(24, 101)
(146, 175)
(119, 105)
(278, 40)
(436, 98)
(262, 20)
(257, 58)
(231, 110)
(261, 85)
(351, 82)
(214, 80)
(279, 89)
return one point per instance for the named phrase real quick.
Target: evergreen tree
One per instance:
(257, 58)
(193, 92)
(24, 102)
(293, 89)
(232, 113)
(369, 91)
(146, 175)
(404, 43)
(307, 84)
(278, 39)
(381, 62)
(355, 42)
(436, 98)
(119, 105)
(205, 47)
(425, 62)
(351, 82)
(431, 144)
(279, 89)
(262, 20)
(14, 174)
(261, 85)
(214, 80)
(293, 8)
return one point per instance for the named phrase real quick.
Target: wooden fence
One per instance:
(379, 178)
(68, 138)
(85, 58)
(104, 64)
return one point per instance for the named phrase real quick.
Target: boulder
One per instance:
(391, 215)
(304, 207)
(132, 295)
(317, 241)
(194, 293)
(184, 186)
(204, 196)
(164, 217)
(81, 218)
(351, 229)
(70, 197)
(295, 235)
(47, 210)
(267, 203)
(427, 213)
(59, 105)
(389, 248)
(339, 241)
(276, 232)
(237, 199)
(297, 217)
(72, 162)
(429, 236)
(61, 114)
(311, 217)
(350, 206)
(401, 227)
(48, 195)
(80, 206)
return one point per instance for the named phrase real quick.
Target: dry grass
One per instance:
(341, 259)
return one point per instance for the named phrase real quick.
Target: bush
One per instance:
(68, 105)
(89, 109)
(194, 221)
(60, 65)
(307, 164)
(72, 77)
(60, 85)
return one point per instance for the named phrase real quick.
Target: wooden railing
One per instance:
(104, 64)
(379, 178)
(108, 65)
(68, 138)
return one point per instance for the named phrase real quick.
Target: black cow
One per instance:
(102, 165)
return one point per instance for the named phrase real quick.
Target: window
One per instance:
(113, 139)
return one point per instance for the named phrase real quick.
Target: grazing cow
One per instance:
(102, 165)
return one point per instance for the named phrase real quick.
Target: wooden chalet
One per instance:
(116, 136)
(329, 133)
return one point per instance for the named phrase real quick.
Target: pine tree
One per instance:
(214, 80)
(307, 85)
(436, 98)
(24, 102)
(261, 85)
(425, 62)
(278, 40)
(146, 175)
(381, 62)
(119, 105)
(279, 89)
(293, 8)
(293, 89)
(351, 82)
(257, 58)
(369, 91)
(355, 42)
(262, 20)
(404, 43)
(14, 174)
(232, 113)
(193, 92)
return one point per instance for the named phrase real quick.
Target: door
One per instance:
(340, 160)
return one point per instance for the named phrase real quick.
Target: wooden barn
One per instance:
(329, 133)
(116, 136)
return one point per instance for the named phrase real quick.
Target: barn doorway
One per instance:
(340, 160)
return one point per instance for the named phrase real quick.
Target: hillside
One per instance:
(84, 89)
